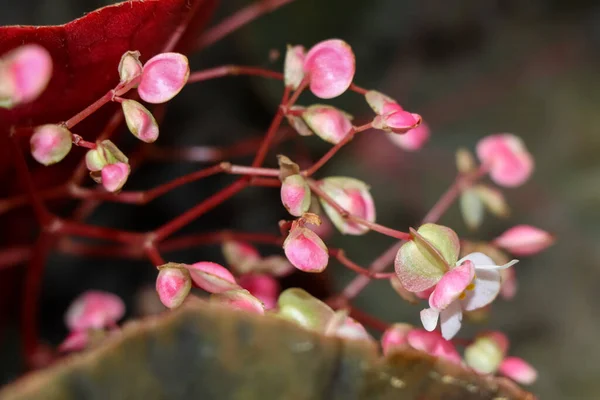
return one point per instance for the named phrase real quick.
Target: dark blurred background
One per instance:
(470, 68)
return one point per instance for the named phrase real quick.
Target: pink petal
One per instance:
(94, 310)
(352, 195)
(75, 341)
(451, 286)
(524, 240)
(295, 195)
(487, 287)
(412, 140)
(25, 73)
(293, 67)
(507, 158)
(173, 285)
(518, 370)
(327, 122)
(163, 76)
(450, 320)
(330, 66)
(395, 336)
(239, 299)
(263, 287)
(212, 277)
(434, 344)
(50, 143)
(305, 250)
(114, 176)
(380, 103)
(429, 318)
(240, 255)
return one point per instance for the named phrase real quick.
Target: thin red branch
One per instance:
(340, 255)
(208, 204)
(31, 293)
(66, 227)
(269, 138)
(232, 70)
(237, 20)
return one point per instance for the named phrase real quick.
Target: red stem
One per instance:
(153, 255)
(232, 70)
(237, 20)
(340, 255)
(31, 292)
(208, 204)
(89, 110)
(97, 232)
(270, 135)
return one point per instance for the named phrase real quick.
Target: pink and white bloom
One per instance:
(50, 143)
(94, 310)
(353, 196)
(305, 249)
(163, 77)
(212, 277)
(472, 284)
(524, 240)
(327, 122)
(173, 284)
(140, 121)
(24, 74)
(412, 140)
(507, 158)
(114, 176)
(330, 68)
(263, 287)
(293, 66)
(398, 121)
(295, 195)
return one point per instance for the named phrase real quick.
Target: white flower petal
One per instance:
(429, 318)
(483, 261)
(450, 320)
(487, 286)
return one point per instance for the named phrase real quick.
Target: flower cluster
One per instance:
(454, 276)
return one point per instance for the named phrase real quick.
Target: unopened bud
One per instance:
(114, 176)
(295, 195)
(140, 121)
(330, 66)
(50, 143)
(163, 76)
(212, 277)
(130, 66)
(305, 250)
(327, 122)
(173, 284)
(239, 299)
(293, 67)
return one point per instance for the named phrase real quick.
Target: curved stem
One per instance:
(232, 70)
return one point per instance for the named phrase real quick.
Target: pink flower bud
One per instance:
(353, 330)
(173, 284)
(140, 121)
(239, 299)
(111, 153)
(212, 277)
(274, 265)
(298, 306)
(330, 66)
(240, 256)
(293, 67)
(114, 176)
(471, 208)
(518, 370)
(353, 196)
(263, 287)
(465, 162)
(434, 344)
(295, 195)
(484, 355)
(94, 310)
(327, 122)
(163, 76)
(380, 103)
(412, 140)
(24, 74)
(130, 66)
(50, 144)
(422, 262)
(94, 160)
(305, 250)
(395, 337)
(75, 341)
(509, 162)
(398, 122)
(524, 240)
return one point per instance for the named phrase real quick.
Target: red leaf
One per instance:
(86, 52)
